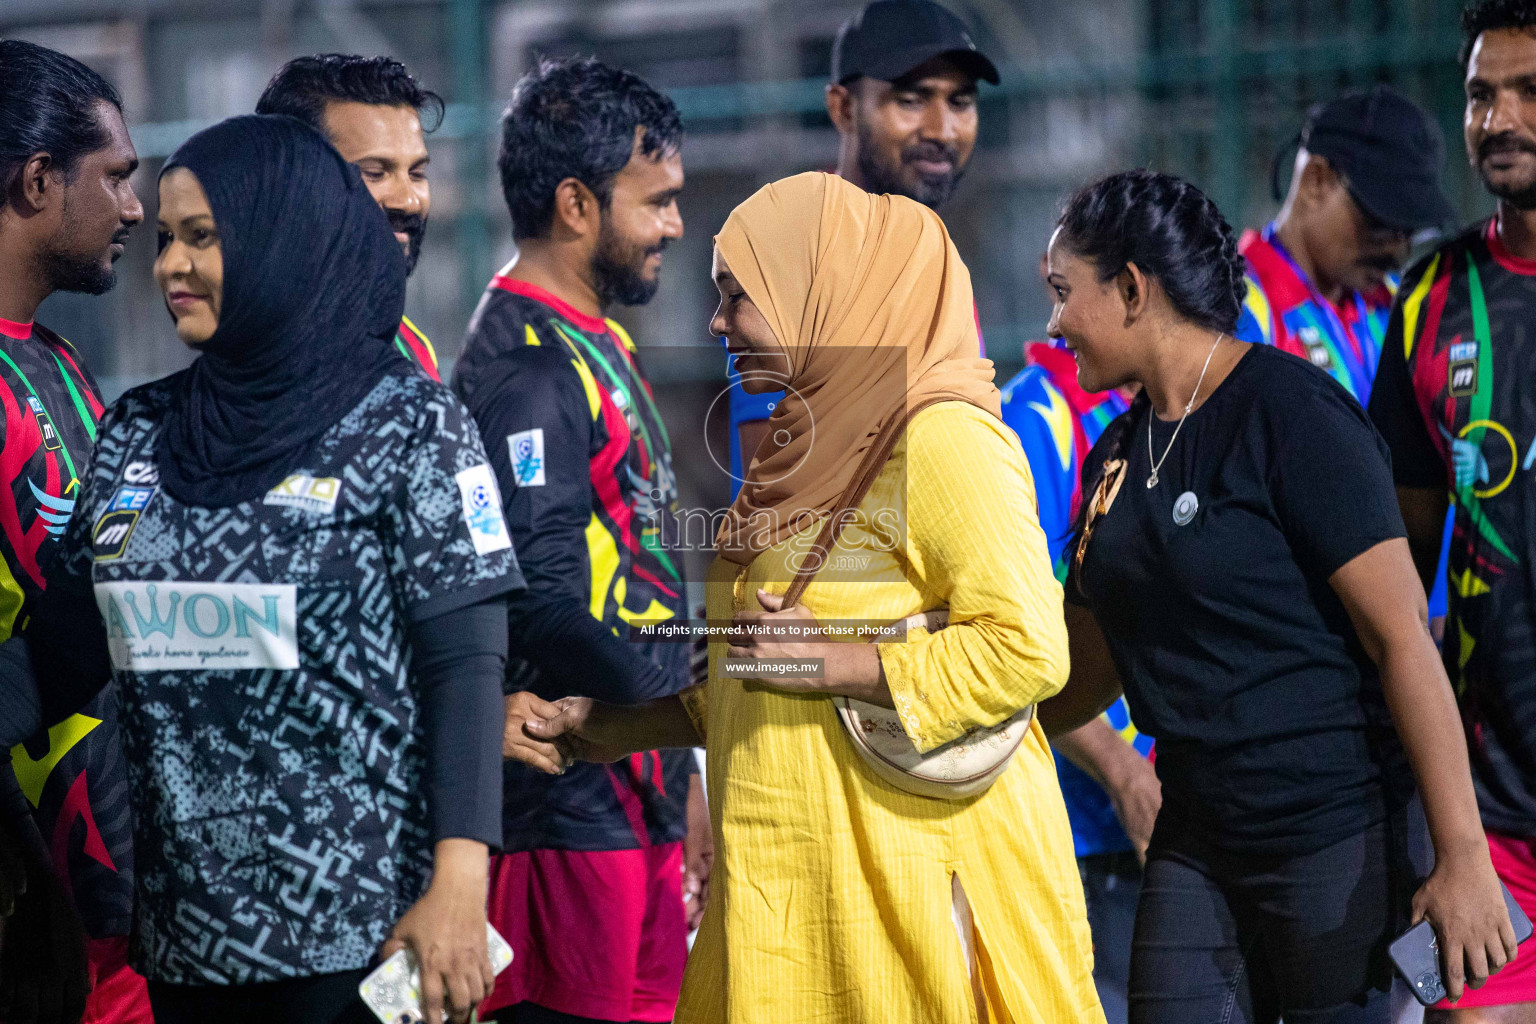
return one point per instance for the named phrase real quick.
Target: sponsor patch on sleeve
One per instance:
(526, 449)
(141, 474)
(131, 499)
(482, 509)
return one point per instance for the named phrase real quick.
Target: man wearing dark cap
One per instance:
(1455, 402)
(1321, 275)
(902, 97)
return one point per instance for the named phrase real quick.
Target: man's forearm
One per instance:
(658, 725)
(1099, 751)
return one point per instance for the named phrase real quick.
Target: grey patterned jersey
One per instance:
(273, 732)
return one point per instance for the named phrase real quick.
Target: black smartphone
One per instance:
(1416, 953)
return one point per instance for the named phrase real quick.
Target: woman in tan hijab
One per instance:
(837, 896)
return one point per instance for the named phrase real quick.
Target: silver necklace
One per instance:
(1152, 480)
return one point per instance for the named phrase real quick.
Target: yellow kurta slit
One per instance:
(832, 893)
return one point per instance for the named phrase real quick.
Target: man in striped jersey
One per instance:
(66, 209)
(1322, 274)
(371, 110)
(588, 888)
(1454, 401)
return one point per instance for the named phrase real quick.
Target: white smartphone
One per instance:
(393, 990)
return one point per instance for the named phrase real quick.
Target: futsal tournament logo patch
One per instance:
(482, 509)
(526, 450)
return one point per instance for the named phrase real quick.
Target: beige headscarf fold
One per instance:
(872, 306)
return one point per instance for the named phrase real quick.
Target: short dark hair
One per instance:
(1172, 231)
(1487, 15)
(576, 118)
(48, 105)
(302, 87)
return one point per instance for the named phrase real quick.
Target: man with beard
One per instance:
(66, 207)
(371, 110)
(588, 888)
(1454, 401)
(902, 97)
(1322, 274)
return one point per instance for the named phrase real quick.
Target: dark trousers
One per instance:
(528, 1013)
(1111, 888)
(1241, 939)
(319, 999)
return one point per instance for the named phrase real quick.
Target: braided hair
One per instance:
(1174, 234)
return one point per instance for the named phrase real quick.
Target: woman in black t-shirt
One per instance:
(1247, 581)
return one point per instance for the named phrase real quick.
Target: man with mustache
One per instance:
(371, 110)
(588, 889)
(1454, 400)
(1322, 274)
(66, 208)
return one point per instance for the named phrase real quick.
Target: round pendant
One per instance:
(1185, 507)
(1152, 480)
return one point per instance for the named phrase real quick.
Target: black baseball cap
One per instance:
(890, 38)
(1388, 150)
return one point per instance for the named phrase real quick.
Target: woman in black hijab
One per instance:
(291, 559)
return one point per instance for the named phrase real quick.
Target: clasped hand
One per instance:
(780, 633)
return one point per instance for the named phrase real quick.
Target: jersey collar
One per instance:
(12, 329)
(1506, 259)
(590, 324)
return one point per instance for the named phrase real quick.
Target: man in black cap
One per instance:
(903, 99)
(1321, 275)
(902, 96)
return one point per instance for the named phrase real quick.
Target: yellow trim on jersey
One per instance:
(1469, 585)
(1412, 303)
(1257, 303)
(533, 339)
(33, 775)
(423, 336)
(594, 400)
(11, 600)
(604, 554)
(621, 334)
(1057, 415)
(655, 613)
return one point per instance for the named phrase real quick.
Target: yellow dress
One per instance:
(831, 897)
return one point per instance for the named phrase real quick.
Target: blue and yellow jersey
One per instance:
(1058, 423)
(1282, 308)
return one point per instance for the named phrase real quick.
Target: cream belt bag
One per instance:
(960, 768)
